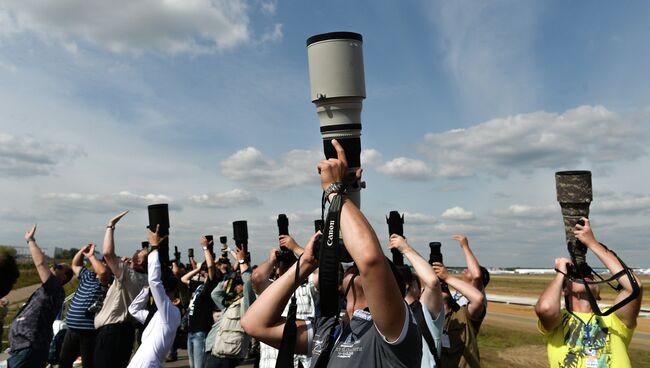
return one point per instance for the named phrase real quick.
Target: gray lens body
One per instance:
(338, 88)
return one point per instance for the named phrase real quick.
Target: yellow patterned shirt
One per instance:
(584, 340)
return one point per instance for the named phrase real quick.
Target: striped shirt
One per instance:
(87, 292)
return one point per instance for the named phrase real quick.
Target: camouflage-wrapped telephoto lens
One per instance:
(574, 192)
(395, 223)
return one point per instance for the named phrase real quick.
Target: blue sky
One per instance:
(471, 107)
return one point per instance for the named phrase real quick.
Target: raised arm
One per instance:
(379, 285)
(103, 273)
(629, 313)
(209, 260)
(549, 303)
(109, 246)
(432, 297)
(264, 320)
(473, 266)
(289, 242)
(261, 275)
(37, 255)
(474, 295)
(78, 260)
(185, 279)
(154, 276)
(138, 307)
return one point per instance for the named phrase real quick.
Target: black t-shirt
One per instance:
(32, 326)
(201, 306)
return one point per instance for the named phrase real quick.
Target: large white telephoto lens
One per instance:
(338, 89)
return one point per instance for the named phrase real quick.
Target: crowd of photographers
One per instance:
(137, 311)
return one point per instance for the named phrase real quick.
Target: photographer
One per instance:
(576, 335)
(227, 344)
(427, 303)
(115, 328)
(158, 335)
(80, 336)
(31, 330)
(459, 335)
(201, 306)
(475, 274)
(276, 266)
(381, 331)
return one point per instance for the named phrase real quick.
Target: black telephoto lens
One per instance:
(283, 224)
(435, 255)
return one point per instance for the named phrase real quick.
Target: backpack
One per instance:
(231, 341)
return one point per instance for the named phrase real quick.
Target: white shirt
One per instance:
(158, 336)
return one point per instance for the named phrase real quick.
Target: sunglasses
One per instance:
(59, 267)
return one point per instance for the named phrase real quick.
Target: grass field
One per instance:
(533, 285)
(502, 347)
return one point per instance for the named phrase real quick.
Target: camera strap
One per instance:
(328, 271)
(288, 343)
(626, 271)
(418, 314)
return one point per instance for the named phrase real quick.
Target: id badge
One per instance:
(590, 358)
(445, 341)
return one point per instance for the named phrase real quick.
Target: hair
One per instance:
(9, 273)
(485, 276)
(68, 274)
(396, 273)
(171, 286)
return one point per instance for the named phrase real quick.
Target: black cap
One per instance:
(334, 36)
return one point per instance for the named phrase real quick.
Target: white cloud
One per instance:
(26, 156)
(173, 26)
(535, 140)
(406, 168)
(623, 206)
(233, 198)
(486, 48)
(274, 35)
(250, 167)
(457, 213)
(521, 211)
(417, 218)
(105, 203)
(269, 7)
(371, 157)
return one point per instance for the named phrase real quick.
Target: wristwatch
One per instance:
(242, 261)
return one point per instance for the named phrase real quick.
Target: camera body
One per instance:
(190, 253)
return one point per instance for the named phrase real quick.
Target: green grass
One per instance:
(495, 343)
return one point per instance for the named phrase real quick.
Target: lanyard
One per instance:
(587, 329)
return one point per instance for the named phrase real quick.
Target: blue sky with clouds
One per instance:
(471, 107)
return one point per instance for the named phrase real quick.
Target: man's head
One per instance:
(171, 289)
(62, 272)
(578, 290)
(139, 261)
(411, 282)
(223, 265)
(8, 273)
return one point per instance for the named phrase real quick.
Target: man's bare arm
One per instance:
(433, 298)
(473, 266)
(37, 255)
(548, 305)
(109, 246)
(628, 313)
(476, 308)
